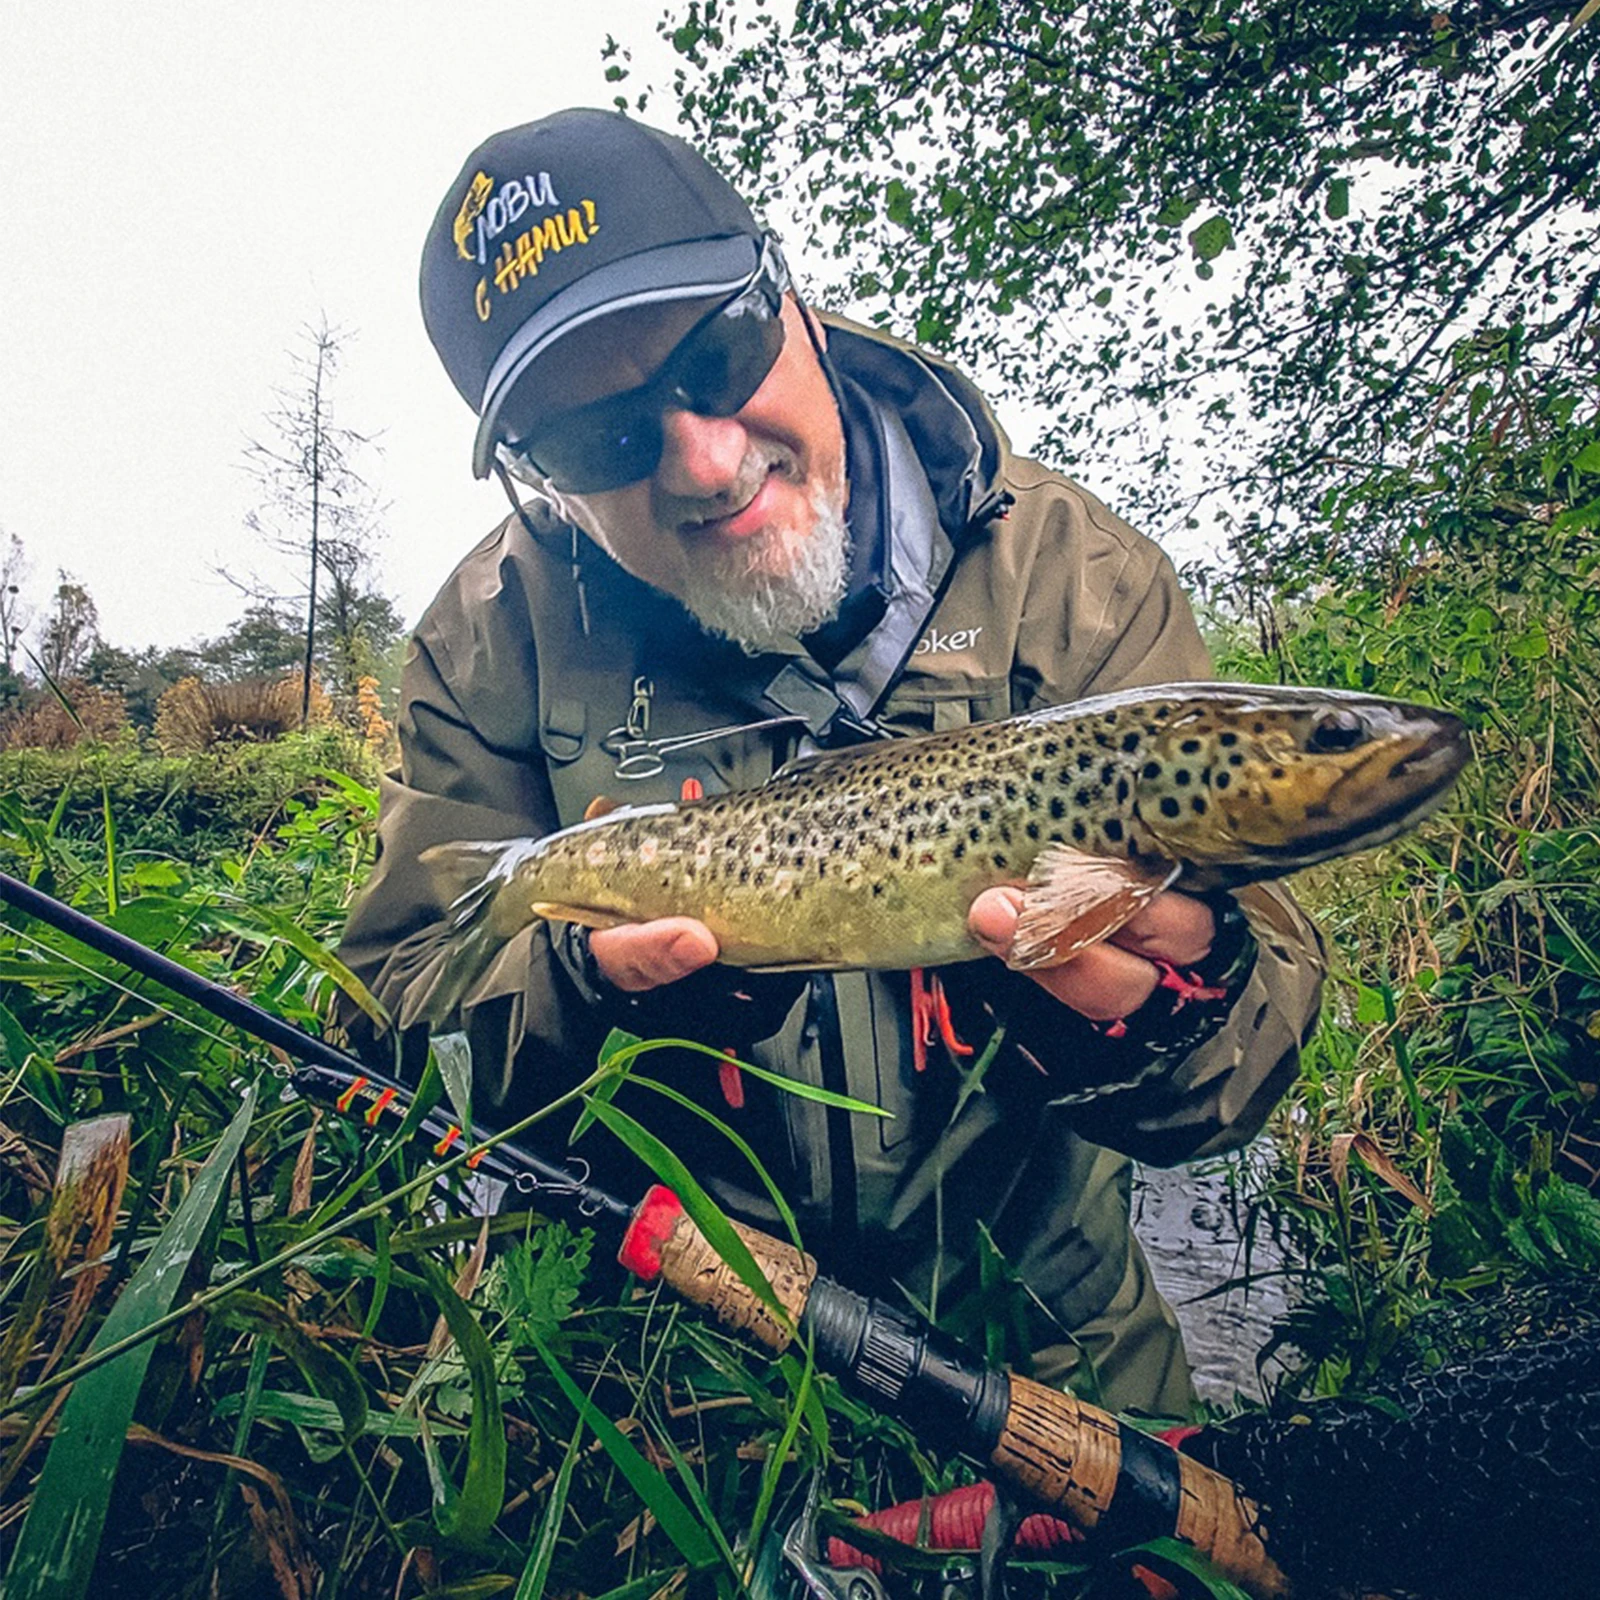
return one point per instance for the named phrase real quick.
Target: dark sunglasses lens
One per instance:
(601, 447)
(714, 373)
(718, 370)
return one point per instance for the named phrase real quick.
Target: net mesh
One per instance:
(1472, 1471)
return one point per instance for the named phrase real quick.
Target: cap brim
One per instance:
(704, 269)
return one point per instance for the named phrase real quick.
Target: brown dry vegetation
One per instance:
(194, 715)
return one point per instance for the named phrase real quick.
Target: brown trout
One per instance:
(870, 857)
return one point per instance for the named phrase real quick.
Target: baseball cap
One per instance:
(560, 221)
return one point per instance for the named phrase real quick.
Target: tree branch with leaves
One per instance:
(1216, 245)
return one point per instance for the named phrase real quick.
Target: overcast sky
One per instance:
(183, 185)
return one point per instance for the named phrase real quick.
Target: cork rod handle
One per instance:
(1106, 1478)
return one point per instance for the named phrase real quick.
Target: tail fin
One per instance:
(467, 879)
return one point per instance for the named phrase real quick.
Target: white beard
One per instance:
(774, 587)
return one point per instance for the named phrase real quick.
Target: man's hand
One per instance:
(1113, 979)
(644, 955)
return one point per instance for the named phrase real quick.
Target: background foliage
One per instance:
(1226, 251)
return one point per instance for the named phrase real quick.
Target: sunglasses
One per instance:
(713, 372)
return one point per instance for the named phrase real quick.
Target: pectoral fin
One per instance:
(1075, 900)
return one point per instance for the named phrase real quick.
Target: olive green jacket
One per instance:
(1012, 589)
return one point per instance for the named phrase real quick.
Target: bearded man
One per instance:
(743, 531)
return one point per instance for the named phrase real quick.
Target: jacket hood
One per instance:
(957, 439)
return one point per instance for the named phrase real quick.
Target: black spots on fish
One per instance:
(1114, 830)
(1080, 831)
(1190, 747)
(1222, 780)
(959, 849)
(914, 781)
(1011, 790)
(1052, 749)
(1108, 773)
(761, 879)
(1032, 831)
(1103, 741)
(1258, 727)
(911, 834)
(1150, 729)
(877, 889)
(894, 852)
(968, 789)
(1058, 808)
(1151, 769)
(1277, 772)
(866, 813)
(1198, 805)
(1169, 806)
(1182, 777)
(974, 834)
(1083, 799)
(1228, 740)
(1122, 789)
(1085, 760)
(744, 875)
(1132, 741)
(999, 861)
(943, 829)
(985, 813)
(1162, 713)
(1236, 759)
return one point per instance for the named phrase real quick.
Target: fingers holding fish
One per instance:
(1103, 983)
(1174, 928)
(644, 955)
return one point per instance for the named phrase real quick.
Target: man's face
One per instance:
(743, 517)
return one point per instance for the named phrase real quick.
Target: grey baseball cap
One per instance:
(558, 222)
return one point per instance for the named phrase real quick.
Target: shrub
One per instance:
(42, 722)
(193, 808)
(194, 715)
(1466, 960)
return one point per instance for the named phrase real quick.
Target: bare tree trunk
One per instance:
(316, 507)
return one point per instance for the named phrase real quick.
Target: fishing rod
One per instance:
(1116, 1485)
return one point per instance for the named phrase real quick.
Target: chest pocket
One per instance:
(925, 702)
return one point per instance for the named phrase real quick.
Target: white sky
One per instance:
(183, 185)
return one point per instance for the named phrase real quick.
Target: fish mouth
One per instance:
(1423, 773)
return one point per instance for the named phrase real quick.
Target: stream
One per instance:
(1183, 1219)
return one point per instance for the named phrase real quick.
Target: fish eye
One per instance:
(1337, 730)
